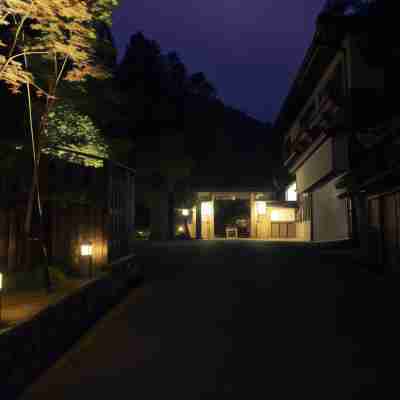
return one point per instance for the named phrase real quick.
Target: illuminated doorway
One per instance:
(232, 214)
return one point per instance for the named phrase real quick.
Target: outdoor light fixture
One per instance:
(87, 251)
(261, 207)
(206, 209)
(185, 212)
(291, 193)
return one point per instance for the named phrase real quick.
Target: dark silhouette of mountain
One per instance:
(163, 99)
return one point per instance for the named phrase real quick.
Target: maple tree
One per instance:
(61, 35)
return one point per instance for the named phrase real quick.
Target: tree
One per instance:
(199, 85)
(71, 130)
(162, 164)
(46, 42)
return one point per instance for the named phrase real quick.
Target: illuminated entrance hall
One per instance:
(232, 218)
(242, 214)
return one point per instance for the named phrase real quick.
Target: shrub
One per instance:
(57, 276)
(25, 280)
(142, 234)
(35, 278)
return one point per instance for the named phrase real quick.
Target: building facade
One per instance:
(340, 133)
(262, 215)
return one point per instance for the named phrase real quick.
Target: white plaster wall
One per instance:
(329, 214)
(316, 167)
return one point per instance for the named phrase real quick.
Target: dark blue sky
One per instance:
(249, 49)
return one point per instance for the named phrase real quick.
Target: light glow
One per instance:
(283, 215)
(86, 249)
(1, 281)
(261, 207)
(291, 192)
(181, 229)
(185, 212)
(206, 209)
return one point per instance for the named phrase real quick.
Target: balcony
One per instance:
(319, 119)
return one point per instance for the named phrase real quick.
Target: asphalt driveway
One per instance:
(258, 319)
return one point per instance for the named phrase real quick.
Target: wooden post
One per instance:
(253, 221)
(198, 220)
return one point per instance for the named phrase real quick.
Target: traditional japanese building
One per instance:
(340, 132)
(259, 214)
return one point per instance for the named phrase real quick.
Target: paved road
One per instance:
(276, 321)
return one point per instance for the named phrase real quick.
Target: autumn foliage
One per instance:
(59, 36)
(59, 30)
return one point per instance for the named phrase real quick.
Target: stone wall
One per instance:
(29, 348)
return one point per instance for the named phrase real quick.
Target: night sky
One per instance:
(249, 49)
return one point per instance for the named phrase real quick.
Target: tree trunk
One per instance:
(198, 221)
(159, 221)
(187, 231)
(171, 215)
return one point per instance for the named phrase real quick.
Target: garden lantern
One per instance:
(87, 251)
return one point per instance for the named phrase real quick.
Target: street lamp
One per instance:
(87, 251)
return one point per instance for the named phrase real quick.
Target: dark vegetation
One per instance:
(183, 133)
(168, 124)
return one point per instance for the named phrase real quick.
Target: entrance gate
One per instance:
(265, 214)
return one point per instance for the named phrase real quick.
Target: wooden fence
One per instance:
(80, 204)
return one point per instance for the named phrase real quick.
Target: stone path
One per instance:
(256, 319)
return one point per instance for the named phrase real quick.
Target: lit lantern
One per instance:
(86, 249)
(261, 207)
(185, 212)
(206, 209)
